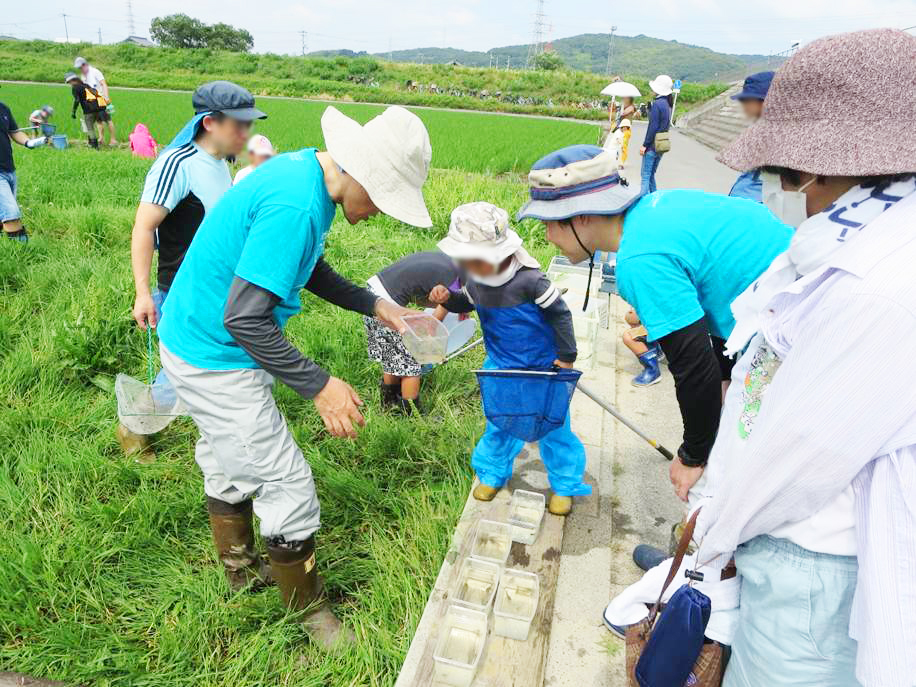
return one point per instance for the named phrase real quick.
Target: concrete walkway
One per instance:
(633, 500)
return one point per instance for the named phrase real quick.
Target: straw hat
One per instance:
(389, 157)
(843, 105)
(481, 231)
(662, 85)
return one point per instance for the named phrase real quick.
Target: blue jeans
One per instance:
(793, 628)
(649, 166)
(9, 208)
(163, 391)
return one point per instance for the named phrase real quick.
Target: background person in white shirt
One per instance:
(812, 477)
(95, 79)
(260, 150)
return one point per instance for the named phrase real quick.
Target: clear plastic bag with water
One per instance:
(147, 408)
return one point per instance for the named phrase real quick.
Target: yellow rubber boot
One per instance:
(484, 493)
(560, 505)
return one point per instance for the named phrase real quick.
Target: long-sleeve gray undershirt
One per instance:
(249, 318)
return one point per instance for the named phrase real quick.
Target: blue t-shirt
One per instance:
(269, 231)
(688, 254)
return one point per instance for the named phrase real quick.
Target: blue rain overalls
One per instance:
(520, 338)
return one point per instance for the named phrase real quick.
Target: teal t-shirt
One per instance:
(688, 254)
(269, 231)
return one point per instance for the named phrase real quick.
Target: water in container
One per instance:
(476, 584)
(492, 542)
(426, 338)
(526, 510)
(462, 635)
(516, 604)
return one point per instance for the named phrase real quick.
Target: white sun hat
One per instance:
(389, 157)
(662, 84)
(259, 144)
(625, 123)
(481, 231)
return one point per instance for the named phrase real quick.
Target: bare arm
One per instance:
(149, 217)
(103, 86)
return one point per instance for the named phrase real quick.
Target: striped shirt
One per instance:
(187, 181)
(839, 413)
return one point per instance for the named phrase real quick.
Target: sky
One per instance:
(734, 26)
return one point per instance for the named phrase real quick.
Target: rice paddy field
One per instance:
(469, 141)
(108, 574)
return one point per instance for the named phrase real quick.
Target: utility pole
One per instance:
(610, 50)
(66, 30)
(390, 59)
(537, 38)
(131, 29)
(491, 60)
(302, 41)
(100, 35)
(508, 61)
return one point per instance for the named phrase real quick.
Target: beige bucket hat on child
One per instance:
(389, 157)
(481, 231)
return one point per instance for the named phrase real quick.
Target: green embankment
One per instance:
(572, 93)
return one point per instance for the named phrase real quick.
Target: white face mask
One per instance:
(791, 207)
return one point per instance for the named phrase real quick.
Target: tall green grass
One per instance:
(108, 576)
(473, 142)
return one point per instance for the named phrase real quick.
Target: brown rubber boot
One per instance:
(233, 537)
(484, 493)
(560, 505)
(135, 445)
(294, 570)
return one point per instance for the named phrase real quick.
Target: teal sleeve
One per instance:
(280, 241)
(661, 292)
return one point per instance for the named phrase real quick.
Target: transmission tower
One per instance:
(131, 29)
(537, 37)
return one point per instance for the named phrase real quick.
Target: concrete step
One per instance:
(710, 139)
(711, 129)
(726, 123)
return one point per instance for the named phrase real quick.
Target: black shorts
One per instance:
(102, 116)
(725, 363)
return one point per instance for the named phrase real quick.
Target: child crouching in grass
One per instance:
(526, 326)
(406, 282)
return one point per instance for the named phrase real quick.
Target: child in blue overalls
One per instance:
(526, 326)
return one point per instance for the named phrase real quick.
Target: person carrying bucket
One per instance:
(10, 214)
(683, 256)
(180, 188)
(526, 326)
(222, 345)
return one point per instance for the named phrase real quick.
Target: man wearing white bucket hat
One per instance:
(222, 343)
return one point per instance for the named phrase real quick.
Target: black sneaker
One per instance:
(22, 235)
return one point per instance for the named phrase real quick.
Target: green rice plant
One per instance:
(109, 578)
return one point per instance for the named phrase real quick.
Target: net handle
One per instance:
(149, 354)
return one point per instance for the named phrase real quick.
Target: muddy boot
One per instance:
(560, 505)
(233, 537)
(293, 566)
(135, 445)
(391, 395)
(484, 493)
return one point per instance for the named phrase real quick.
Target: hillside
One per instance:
(640, 56)
(565, 93)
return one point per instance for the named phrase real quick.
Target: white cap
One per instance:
(259, 144)
(625, 123)
(662, 84)
(389, 157)
(79, 62)
(481, 231)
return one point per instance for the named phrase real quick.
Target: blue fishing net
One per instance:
(527, 404)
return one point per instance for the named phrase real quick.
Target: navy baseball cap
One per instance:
(577, 180)
(226, 97)
(755, 87)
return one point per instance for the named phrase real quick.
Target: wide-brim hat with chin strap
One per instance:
(843, 105)
(389, 157)
(577, 180)
(481, 231)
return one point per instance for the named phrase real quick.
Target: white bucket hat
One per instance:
(625, 123)
(259, 144)
(389, 157)
(662, 84)
(481, 231)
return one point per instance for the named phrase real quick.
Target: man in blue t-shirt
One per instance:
(222, 342)
(682, 258)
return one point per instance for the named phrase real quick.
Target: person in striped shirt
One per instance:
(184, 183)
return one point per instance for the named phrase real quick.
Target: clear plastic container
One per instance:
(476, 585)
(426, 338)
(516, 604)
(492, 542)
(462, 635)
(526, 510)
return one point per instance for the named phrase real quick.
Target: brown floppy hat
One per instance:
(843, 105)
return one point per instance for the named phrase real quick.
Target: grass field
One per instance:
(109, 576)
(473, 142)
